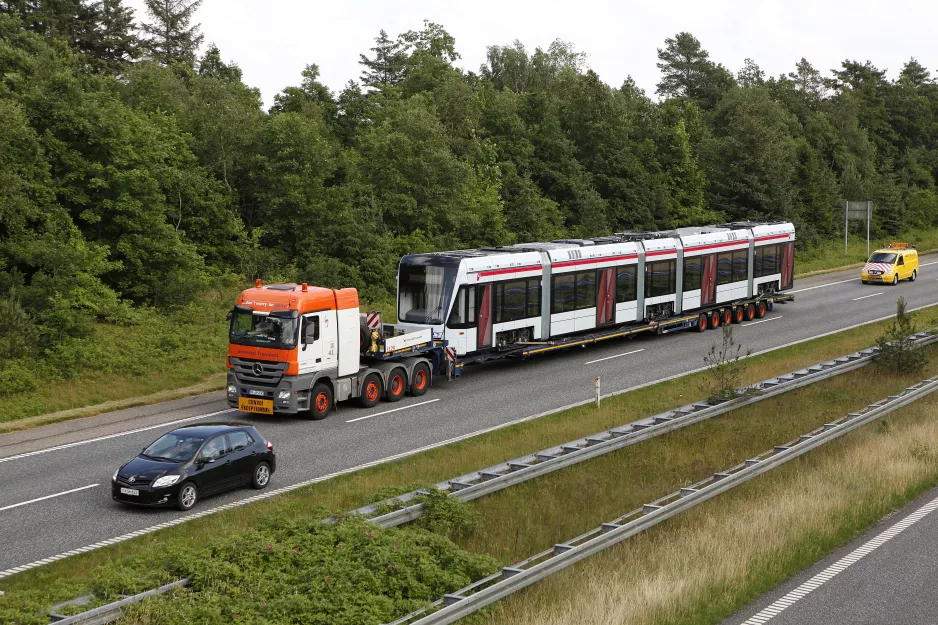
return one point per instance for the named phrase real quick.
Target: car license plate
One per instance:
(130, 491)
(250, 404)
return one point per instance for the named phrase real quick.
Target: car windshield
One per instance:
(882, 257)
(175, 446)
(263, 330)
(424, 290)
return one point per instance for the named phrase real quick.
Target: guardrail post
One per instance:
(597, 393)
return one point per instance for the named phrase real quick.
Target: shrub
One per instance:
(897, 353)
(724, 370)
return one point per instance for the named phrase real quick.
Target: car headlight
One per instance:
(283, 395)
(232, 389)
(166, 480)
(114, 477)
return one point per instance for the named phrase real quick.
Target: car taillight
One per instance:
(270, 446)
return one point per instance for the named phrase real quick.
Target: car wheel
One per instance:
(187, 497)
(913, 276)
(261, 477)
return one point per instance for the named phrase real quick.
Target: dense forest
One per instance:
(137, 168)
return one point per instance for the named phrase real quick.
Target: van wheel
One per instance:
(913, 276)
(421, 380)
(371, 391)
(397, 384)
(320, 402)
(895, 279)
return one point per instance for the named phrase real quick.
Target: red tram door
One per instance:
(606, 297)
(708, 281)
(484, 337)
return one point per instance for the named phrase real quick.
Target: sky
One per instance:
(273, 40)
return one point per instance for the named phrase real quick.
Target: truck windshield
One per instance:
(882, 257)
(424, 290)
(249, 328)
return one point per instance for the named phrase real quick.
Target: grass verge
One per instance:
(67, 578)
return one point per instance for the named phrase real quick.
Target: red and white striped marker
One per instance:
(451, 353)
(373, 320)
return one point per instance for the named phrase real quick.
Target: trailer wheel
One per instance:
(320, 401)
(421, 380)
(760, 310)
(715, 320)
(750, 312)
(371, 391)
(397, 384)
(701, 322)
(727, 317)
(738, 314)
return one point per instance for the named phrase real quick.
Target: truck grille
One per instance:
(258, 372)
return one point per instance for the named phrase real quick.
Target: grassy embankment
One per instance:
(562, 504)
(163, 356)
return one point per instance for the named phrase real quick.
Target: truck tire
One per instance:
(421, 380)
(750, 312)
(320, 401)
(760, 310)
(727, 316)
(370, 391)
(738, 315)
(364, 338)
(397, 385)
(701, 322)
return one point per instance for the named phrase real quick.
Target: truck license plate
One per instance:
(251, 404)
(130, 491)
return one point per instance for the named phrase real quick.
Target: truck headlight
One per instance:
(283, 395)
(232, 389)
(166, 480)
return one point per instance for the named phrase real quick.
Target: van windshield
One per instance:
(882, 257)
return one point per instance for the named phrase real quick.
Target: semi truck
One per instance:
(299, 349)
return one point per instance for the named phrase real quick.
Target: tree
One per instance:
(212, 66)
(388, 65)
(724, 372)
(689, 73)
(171, 38)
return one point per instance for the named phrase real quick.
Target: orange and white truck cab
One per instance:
(890, 264)
(295, 349)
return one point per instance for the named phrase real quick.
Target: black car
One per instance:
(193, 461)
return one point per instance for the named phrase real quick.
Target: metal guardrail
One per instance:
(512, 579)
(495, 478)
(113, 611)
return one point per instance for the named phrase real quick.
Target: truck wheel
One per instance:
(371, 391)
(421, 380)
(320, 402)
(738, 315)
(750, 312)
(715, 320)
(760, 310)
(397, 384)
(727, 317)
(364, 338)
(702, 322)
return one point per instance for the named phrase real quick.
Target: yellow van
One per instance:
(889, 264)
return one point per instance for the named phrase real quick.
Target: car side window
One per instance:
(239, 440)
(901, 261)
(215, 448)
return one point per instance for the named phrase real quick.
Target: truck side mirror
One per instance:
(229, 315)
(310, 331)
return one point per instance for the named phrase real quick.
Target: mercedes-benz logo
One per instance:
(132, 479)
(258, 368)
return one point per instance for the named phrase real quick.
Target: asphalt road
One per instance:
(896, 582)
(38, 521)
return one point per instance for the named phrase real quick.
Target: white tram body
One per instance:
(482, 299)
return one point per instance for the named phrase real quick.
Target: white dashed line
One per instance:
(378, 414)
(104, 438)
(752, 323)
(841, 565)
(25, 503)
(616, 356)
(866, 296)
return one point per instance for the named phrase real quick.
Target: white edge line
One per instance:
(752, 323)
(815, 582)
(412, 452)
(24, 503)
(378, 414)
(855, 299)
(104, 438)
(616, 356)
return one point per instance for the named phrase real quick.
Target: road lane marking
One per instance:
(104, 438)
(821, 286)
(67, 492)
(752, 323)
(616, 356)
(865, 296)
(378, 414)
(841, 565)
(412, 452)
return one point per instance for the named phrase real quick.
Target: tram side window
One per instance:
(692, 274)
(767, 260)
(660, 278)
(626, 284)
(573, 291)
(740, 265)
(724, 268)
(464, 310)
(517, 299)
